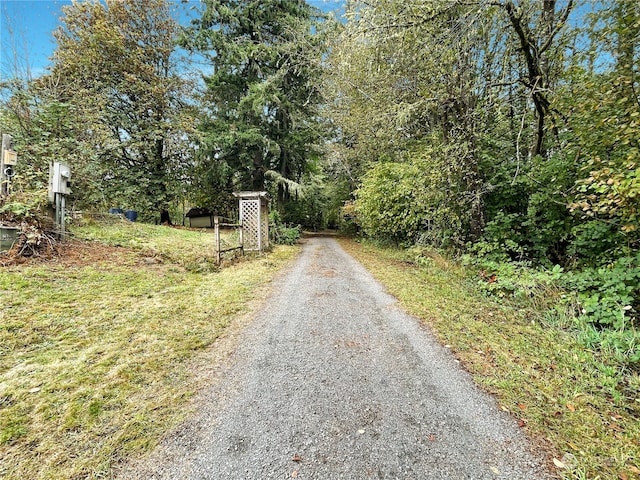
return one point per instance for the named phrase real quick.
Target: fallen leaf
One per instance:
(296, 458)
(295, 474)
(495, 470)
(432, 438)
(571, 407)
(522, 406)
(616, 427)
(623, 476)
(634, 469)
(492, 279)
(34, 390)
(558, 463)
(522, 423)
(573, 446)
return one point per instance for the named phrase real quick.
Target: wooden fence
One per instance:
(221, 245)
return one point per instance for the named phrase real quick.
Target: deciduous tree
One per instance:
(116, 66)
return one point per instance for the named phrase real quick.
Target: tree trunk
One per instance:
(257, 176)
(536, 59)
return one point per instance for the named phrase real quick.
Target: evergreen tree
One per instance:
(262, 95)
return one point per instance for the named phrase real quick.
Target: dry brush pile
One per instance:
(36, 235)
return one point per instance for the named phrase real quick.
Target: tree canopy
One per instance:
(114, 103)
(262, 95)
(506, 127)
(504, 107)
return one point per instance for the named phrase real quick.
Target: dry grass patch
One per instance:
(95, 348)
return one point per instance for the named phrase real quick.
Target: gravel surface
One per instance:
(333, 381)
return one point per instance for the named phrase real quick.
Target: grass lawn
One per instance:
(98, 345)
(579, 404)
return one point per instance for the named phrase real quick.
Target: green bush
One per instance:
(606, 296)
(596, 242)
(527, 213)
(609, 296)
(27, 206)
(507, 279)
(389, 203)
(504, 239)
(281, 233)
(600, 305)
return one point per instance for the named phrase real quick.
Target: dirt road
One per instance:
(333, 381)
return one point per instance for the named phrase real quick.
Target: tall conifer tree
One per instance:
(262, 95)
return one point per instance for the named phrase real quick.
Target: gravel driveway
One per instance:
(333, 381)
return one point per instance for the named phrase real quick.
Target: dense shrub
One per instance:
(389, 203)
(282, 233)
(609, 296)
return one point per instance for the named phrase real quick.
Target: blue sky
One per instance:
(26, 27)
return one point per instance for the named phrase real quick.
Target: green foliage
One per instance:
(600, 305)
(609, 296)
(16, 211)
(543, 115)
(283, 233)
(112, 107)
(597, 242)
(504, 238)
(512, 280)
(306, 206)
(424, 199)
(115, 69)
(447, 78)
(30, 207)
(44, 129)
(389, 203)
(610, 174)
(605, 119)
(261, 101)
(400, 97)
(528, 218)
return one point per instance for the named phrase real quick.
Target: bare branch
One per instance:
(558, 27)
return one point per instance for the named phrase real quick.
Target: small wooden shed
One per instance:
(200, 218)
(254, 217)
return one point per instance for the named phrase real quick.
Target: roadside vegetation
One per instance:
(504, 135)
(102, 344)
(573, 387)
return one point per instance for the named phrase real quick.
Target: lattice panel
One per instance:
(265, 226)
(250, 215)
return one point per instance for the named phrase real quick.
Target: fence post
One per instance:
(216, 225)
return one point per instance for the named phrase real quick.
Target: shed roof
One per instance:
(198, 212)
